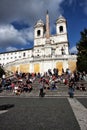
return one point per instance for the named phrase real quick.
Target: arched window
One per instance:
(61, 29)
(38, 33)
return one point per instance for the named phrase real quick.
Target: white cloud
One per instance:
(73, 50)
(11, 48)
(28, 33)
(9, 36)
(28, 10)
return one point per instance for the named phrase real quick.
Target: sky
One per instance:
(18, 17)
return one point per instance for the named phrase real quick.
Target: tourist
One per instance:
(41, 87)
(71, 89)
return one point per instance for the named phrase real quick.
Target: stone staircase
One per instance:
(61, 91)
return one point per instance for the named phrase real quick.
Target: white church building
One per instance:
(49, 51)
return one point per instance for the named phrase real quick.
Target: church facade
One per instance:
(49, 51)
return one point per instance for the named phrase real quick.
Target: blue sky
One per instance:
(18, 17)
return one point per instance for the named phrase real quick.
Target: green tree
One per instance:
(1, 71)
(82, 52)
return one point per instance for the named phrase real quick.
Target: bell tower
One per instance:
(61, 27)
(38, 32)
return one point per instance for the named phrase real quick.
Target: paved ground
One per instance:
(55, 111)
(41, 113)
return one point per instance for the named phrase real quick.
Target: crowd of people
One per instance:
(23, 82)
(18, 83)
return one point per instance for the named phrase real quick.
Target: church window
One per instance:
(24, 54)
(61, 29)
(38, 33)
(62, 51)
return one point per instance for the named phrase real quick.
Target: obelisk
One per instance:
(47, 26)
(47, 46)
